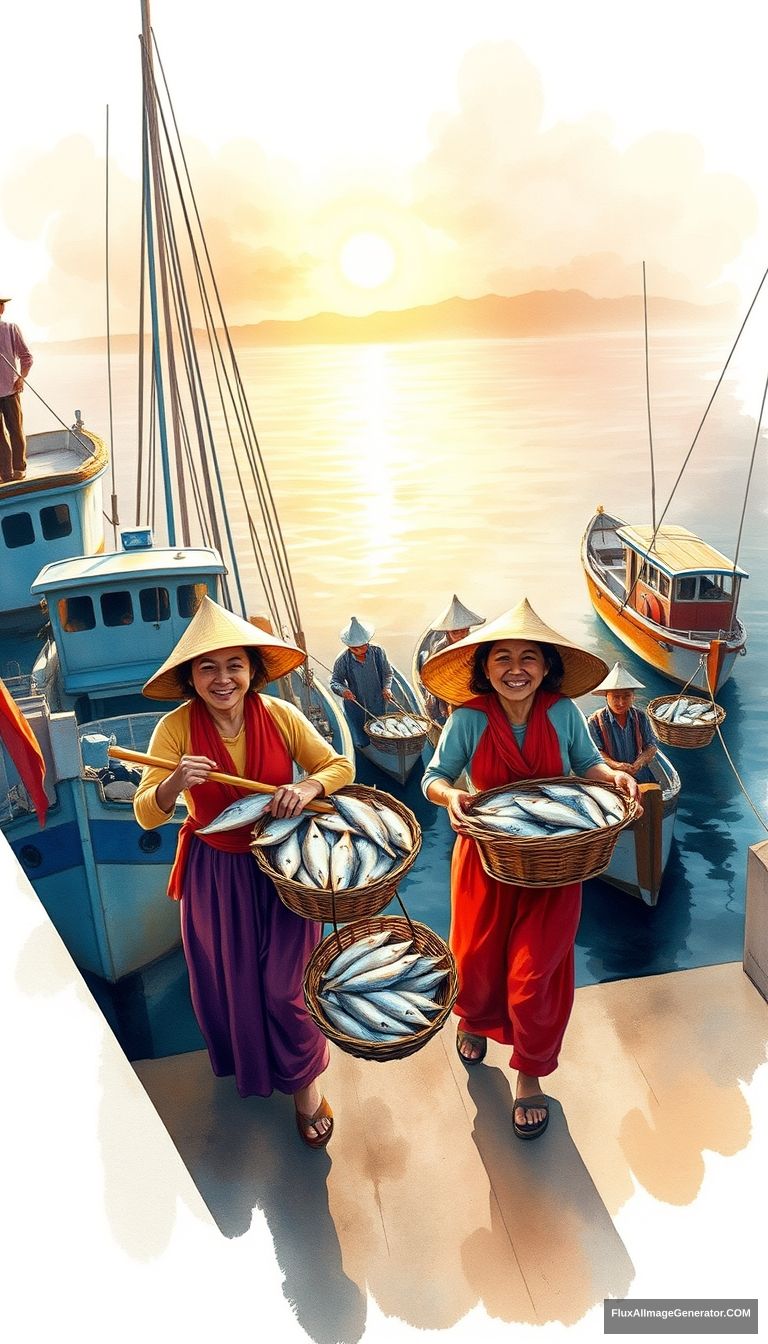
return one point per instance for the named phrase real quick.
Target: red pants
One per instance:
(13, 448)
(514, 953)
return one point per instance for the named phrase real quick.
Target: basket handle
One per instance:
(407, 916)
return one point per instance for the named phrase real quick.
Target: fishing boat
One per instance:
(642, 850)
(115, 616)
(54, 513)
(668, 595)
(400, 762)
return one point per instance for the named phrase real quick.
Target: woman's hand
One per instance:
(290, 799)
(190, 771)
(455, 803)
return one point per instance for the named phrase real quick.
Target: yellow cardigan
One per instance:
(171, 740)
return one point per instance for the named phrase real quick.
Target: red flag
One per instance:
(24, 750)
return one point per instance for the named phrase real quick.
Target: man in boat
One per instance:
(621, 732)
(362, 676)
(454, 625)
(15, 363)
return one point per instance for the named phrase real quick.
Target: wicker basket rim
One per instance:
(692, 699)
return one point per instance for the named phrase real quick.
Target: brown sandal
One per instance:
(481, 1042)
(303, 1123)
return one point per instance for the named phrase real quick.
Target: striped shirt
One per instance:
(13, 349)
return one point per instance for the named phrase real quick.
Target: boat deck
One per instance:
(425, 1212)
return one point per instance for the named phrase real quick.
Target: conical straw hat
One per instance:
(355, 634)
(212, 627)
(457, 617)
(618, 679)
(447, 673)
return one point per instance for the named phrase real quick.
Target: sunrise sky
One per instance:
(351, 156)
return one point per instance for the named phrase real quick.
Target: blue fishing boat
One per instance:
(113, 617)
(54, 513)
(403, 754)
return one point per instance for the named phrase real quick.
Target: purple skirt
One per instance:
(246, 954)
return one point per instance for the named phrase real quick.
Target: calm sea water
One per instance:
(404, 473)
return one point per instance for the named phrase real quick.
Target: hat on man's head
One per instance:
(356, 633)
(457, 617)
(618, 679)
(448, 673)
(5, 300)
(213, 627)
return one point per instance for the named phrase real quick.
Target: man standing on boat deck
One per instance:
(450, 628)
(362, 677)
(14, 355)
(621, 732)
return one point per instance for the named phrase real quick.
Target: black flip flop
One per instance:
(538, 1102)
(481, 1041)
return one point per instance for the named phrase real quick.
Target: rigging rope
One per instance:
(696, 436)
(115, 521)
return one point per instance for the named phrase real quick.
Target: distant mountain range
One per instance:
(539, 313)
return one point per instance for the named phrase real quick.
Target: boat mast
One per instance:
(648, 405)
(151, 151)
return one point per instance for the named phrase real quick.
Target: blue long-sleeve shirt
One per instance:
(367, 680)
(461, 735)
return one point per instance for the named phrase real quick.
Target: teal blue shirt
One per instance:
(461, 735)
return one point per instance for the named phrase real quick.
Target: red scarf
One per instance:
(266, 759)
(499, 760)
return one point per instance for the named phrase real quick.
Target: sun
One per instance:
(367, 260)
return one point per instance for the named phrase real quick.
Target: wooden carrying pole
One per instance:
(250, 785)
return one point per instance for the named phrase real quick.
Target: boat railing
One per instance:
(14, 799)
(124, 730)
(19, 686)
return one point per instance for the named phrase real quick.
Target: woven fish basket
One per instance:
(425, 941)
(354, 902)
(684, 734)
(550, 861)
(397, 746)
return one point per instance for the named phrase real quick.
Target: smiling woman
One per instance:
(367, 260)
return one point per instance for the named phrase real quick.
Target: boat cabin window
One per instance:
(55, 521)
(18, 530)
(653, 577)
(155, 604)
(117, 608)
(189, 596)
(76, 613)
(704, 588)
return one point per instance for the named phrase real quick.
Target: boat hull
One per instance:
(642, 850)
(398, 764)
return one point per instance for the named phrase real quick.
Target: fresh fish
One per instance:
(521, 826)
(277, 829)
(365, 819)
(286, 857)
(572, 796)
(368, 857)
(606, 800)
(380, 977)
(242, 813)
(384, 864)
(664, 711)
(679, 709)
(397, 1006)
(554, 814)
(351, 1026)
(355, 951)
(377, 728)
(335, 824)
(301, 875)
(398, 830)
(502, 802)
(343, 863)
(361, 1007)
(370, 961)
(420, 1001)
(316, 854)
(708, 716)
(420, 982)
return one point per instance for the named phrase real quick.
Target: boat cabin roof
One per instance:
(97, 570)
(677, 551)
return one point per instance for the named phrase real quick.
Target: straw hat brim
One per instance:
(447, 673)
(618, 679)
(213, 627)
